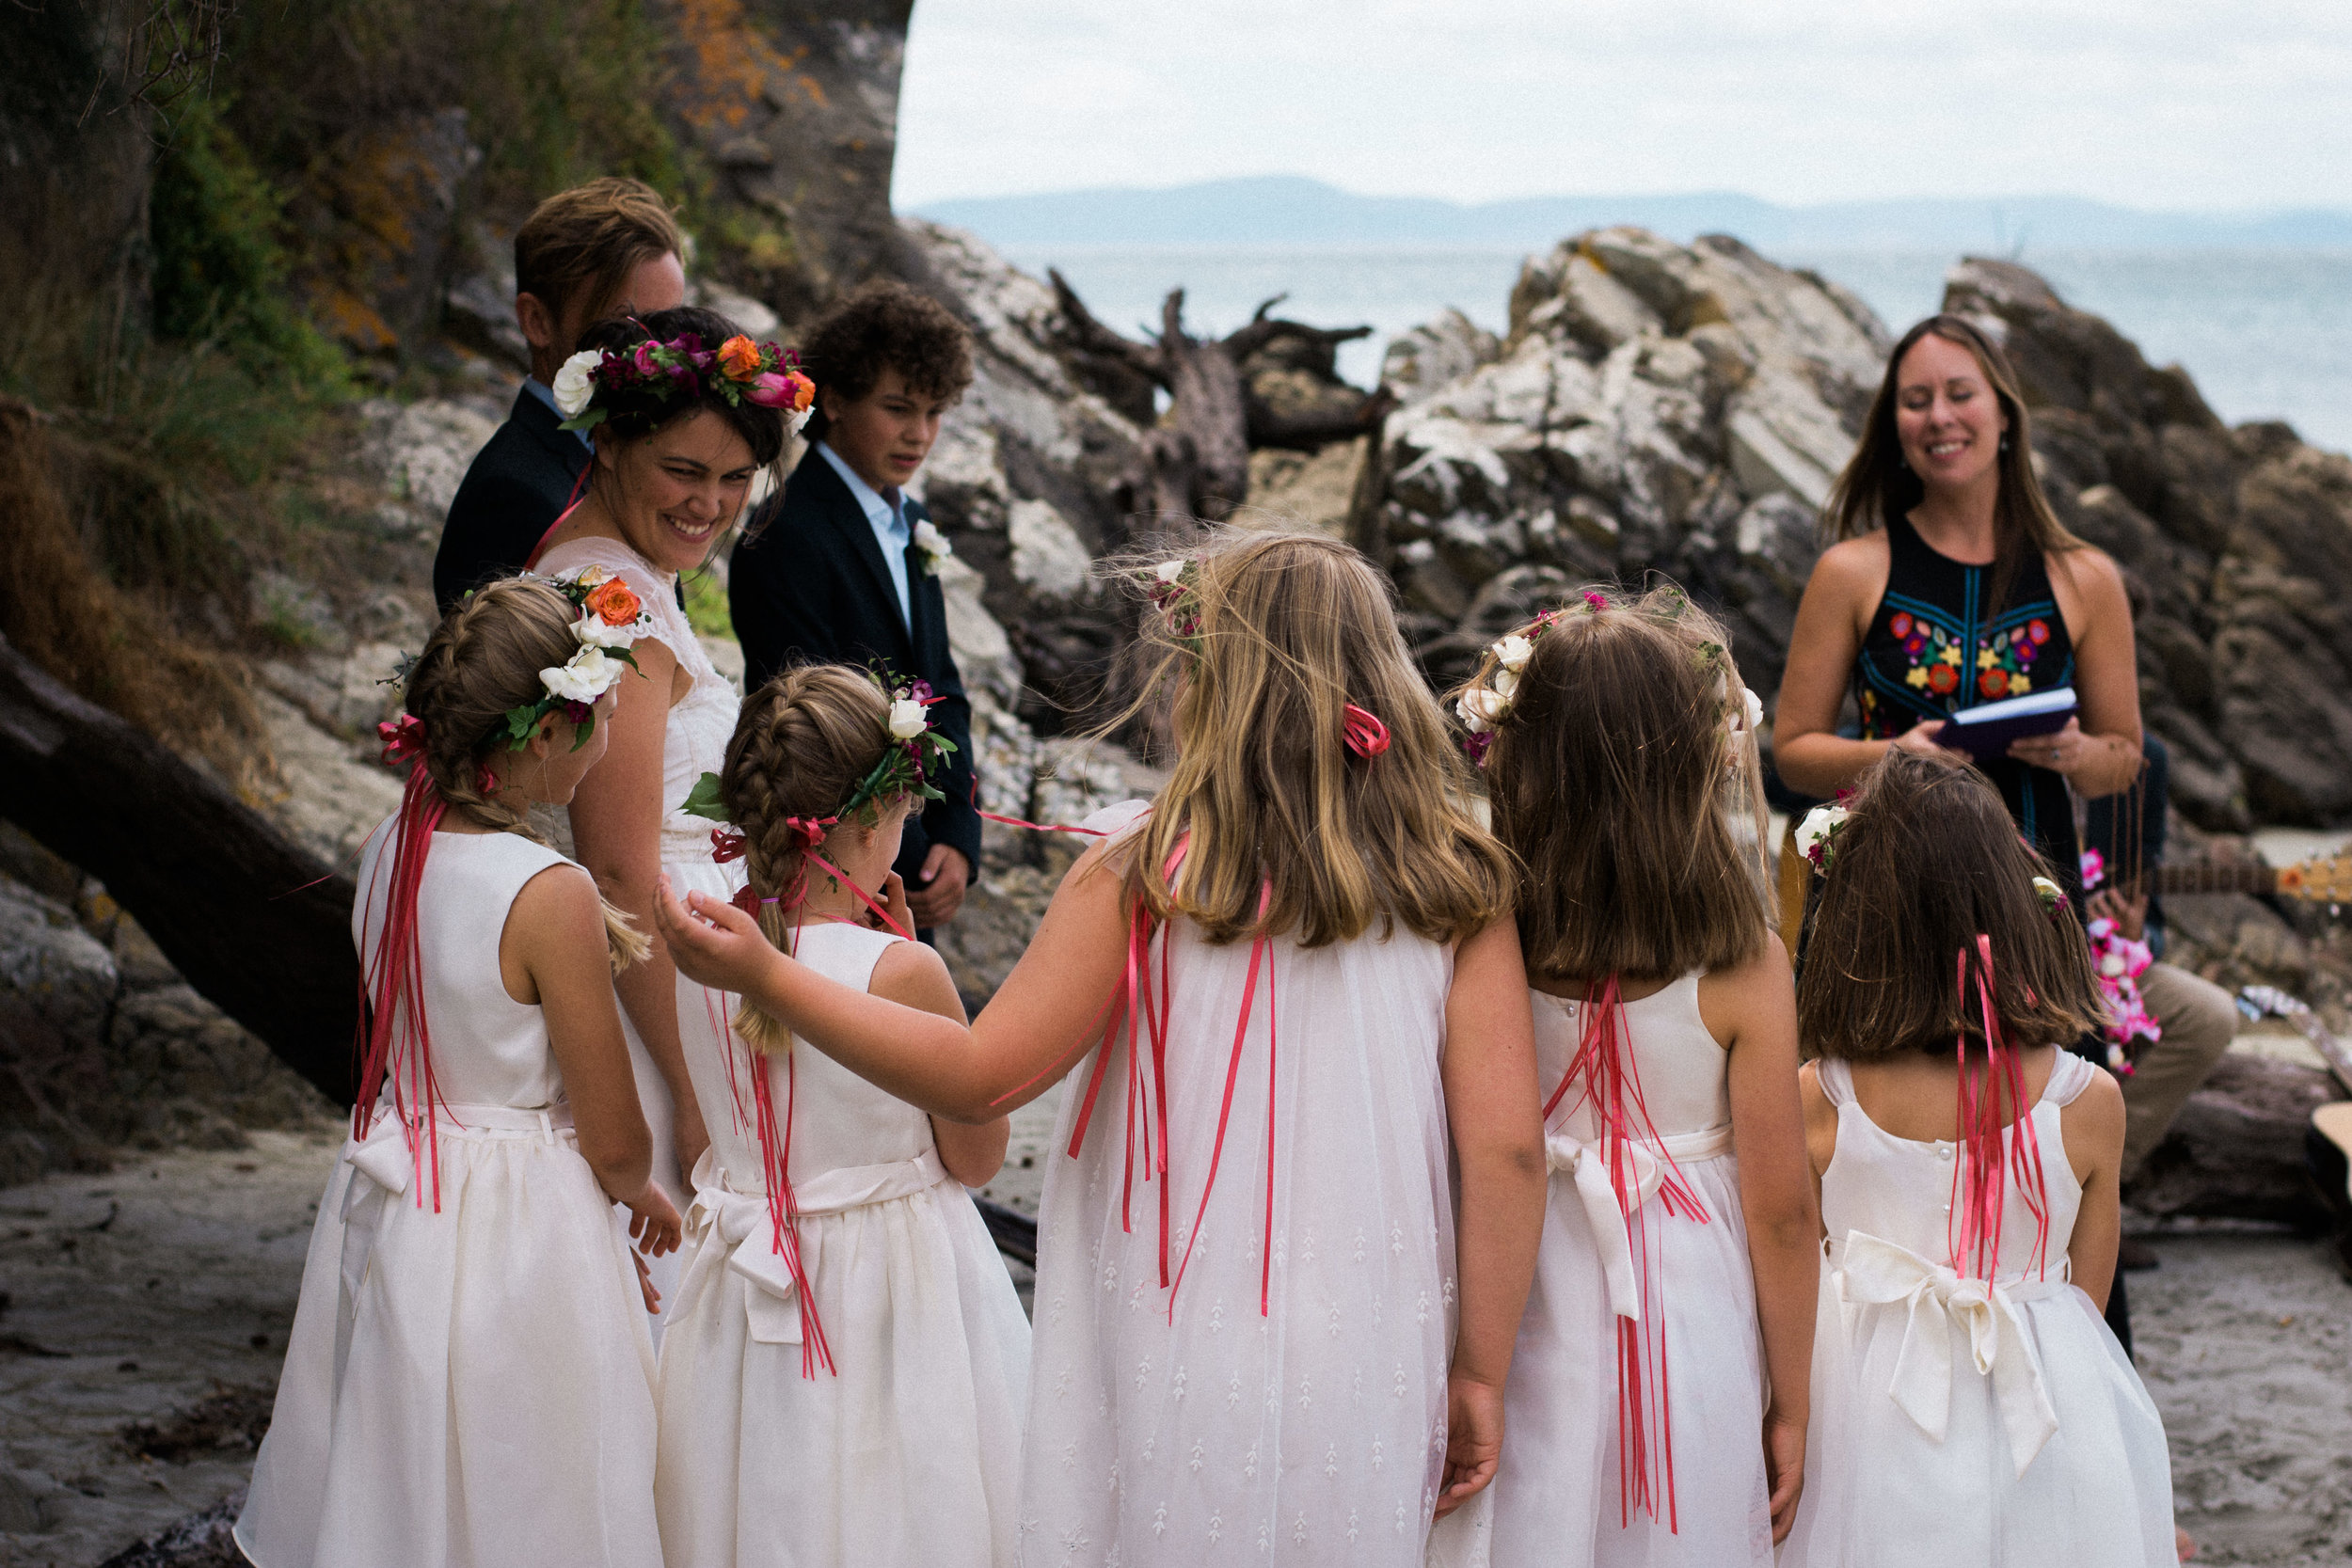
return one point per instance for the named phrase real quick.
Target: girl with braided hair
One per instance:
(844, 1370)
(1657, 1401)
(470, 1377)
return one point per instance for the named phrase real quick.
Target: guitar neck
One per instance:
(2210, 876)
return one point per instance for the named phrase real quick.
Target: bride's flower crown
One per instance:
(739, 371)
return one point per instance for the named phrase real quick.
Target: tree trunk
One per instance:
(2237, 1149)
(258, 924)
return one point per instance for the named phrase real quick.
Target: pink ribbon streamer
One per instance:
(1981, 1177)
(1605, 1062)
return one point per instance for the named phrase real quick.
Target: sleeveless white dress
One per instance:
(469, 1386)
(1211, 1435)
(1559, 1496)
(1956, 1426)
(695, 743)
(906, 1453)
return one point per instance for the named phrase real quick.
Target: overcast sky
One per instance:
(2160, 103)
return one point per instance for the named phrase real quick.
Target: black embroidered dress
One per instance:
(1936, 645)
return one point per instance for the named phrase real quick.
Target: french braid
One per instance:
(801, 745)
(484, 658)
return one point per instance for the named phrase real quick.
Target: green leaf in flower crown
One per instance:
(521, 722)
(703, 801)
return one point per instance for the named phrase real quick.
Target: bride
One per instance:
(683, 410)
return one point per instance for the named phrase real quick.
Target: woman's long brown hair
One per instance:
(1634, 810)
(1265, 794)
(1927, 861)
(1878, 484)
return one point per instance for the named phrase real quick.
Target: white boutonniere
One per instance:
(933, 544)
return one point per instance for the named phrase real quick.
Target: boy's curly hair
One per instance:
(886, 326)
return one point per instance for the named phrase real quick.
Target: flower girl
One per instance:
(846, 1363)
(469, 1378)
(1657, 1407)
(1970, 1406)
(1282, 985)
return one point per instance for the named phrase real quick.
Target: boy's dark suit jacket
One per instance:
(516, 487)
(808, 586)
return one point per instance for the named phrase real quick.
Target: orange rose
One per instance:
(739, 357)
(613, 601)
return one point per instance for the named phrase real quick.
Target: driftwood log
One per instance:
(258, 924)
(1195, 463)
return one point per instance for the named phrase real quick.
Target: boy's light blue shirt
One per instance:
(888, 519)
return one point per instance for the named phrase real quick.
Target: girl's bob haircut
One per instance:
(1254, 644)
(1927, 861)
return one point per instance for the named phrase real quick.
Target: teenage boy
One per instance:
(830, 571)
(606, 249)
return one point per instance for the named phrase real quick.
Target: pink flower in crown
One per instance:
(644, 360)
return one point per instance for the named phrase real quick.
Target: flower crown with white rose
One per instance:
(1484, 704)
(739, 371)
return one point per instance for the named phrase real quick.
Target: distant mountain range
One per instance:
(1290, 210)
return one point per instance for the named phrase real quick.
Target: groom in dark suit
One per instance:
(841, 567)
(605, 249)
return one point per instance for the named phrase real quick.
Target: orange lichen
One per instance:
(730, 63)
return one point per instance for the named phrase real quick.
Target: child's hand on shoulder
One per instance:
(710, 941)
(894, 902)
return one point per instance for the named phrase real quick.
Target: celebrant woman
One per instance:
(1947, 583)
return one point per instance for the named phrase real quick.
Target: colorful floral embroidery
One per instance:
(1931, 659)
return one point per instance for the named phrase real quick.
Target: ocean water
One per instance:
(2268, 334)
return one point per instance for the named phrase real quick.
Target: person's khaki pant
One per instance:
(2200, 1020)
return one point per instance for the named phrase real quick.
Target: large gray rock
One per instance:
(1652, 407)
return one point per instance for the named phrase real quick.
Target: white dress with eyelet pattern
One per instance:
(906, 1454)
(695, 743)
(470, 1381)
(1957, 1425)
(1206, 1434)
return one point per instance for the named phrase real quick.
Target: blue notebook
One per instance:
(1986, 729)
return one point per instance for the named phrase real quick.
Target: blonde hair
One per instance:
(1277, 633)
(484, 658)
(801, 745)
(1618, 782)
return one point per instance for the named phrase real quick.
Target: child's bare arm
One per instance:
(914, 975)
(556, 926)
(1040, 1022)
(2093, 1129)
(1495, 1113)
(1755, 1006)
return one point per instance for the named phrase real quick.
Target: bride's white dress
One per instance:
(695, 743)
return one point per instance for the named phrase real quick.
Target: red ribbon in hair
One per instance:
(1612, 1086)
(726, 845)
(1365, 734)
(404, 740)
(1981, 1177)
(395, 1047)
